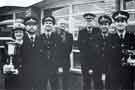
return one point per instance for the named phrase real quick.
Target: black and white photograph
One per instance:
(67, 44)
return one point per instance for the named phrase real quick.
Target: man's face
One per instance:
(48, 26)
(18, 34)
(104, 27)
(121, 25)
(31, 28)
(90, 22)
(63, 26)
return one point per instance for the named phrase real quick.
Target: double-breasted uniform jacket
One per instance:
(63, 50)
(48, 53)
(120, 68)
(121, 46)
(85, 44)
(104, 50)
(31, 62)
(87, 54)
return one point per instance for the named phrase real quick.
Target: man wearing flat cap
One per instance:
(31, 54)
(122, 68)
(49, 43)
(103, 46)
(87, 54)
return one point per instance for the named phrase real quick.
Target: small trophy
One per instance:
(9, 68)
(131, 57)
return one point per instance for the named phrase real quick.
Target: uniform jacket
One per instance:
(104, 50)
(64, 48)
(48, 52)
(86, 44)
(121, 46)
(31, 61)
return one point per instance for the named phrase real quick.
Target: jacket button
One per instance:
(103, 48)
(102, 55)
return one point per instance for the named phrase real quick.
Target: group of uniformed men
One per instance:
(38, 58)
(106, 59)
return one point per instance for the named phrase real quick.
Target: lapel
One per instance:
(126, 36)
(30, 43)
(100, 37)
(36, 41)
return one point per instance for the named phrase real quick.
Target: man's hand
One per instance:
(60, 70)
(90, 71)
(103, 77)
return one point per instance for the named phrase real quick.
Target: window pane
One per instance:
(97, 6)
(59, 18)
(130, 4)
(5, 22)
(20, 15)
(61, 12)
(132, 17)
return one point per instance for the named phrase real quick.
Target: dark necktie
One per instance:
(32, 40)
(121, 36)
(103, 36)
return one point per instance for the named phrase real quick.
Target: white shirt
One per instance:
(32, 36)
(89, 29)
(105, 35)
(123, 34)
(48, 33)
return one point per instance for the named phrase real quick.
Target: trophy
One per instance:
(128, 58)
(9, 68)
(131, 57)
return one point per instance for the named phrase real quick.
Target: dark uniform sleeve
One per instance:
(81, 41)
(69, 43)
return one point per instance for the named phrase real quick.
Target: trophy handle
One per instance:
(11, 63)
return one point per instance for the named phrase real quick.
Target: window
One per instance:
(129, 6)
(6, 22)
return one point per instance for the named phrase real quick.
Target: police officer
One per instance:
(48, 52)
(87, 53)
(13, 79)
(64, 48)
(31, 54)
(103, 45)
(124, 42)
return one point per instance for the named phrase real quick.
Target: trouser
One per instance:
(64, 79)
(12, 82)
(92, 81)
(127, 78)
(115, 78)
(49, 83)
